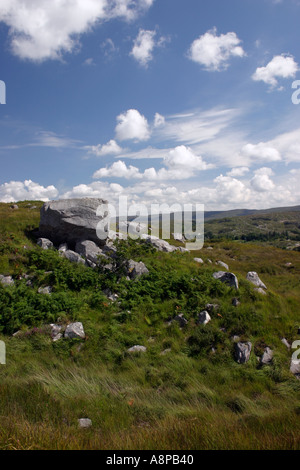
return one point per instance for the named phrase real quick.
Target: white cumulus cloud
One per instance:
(27, 190)
(42, 29)
(111, 148)
(261, 181)
(281, 66)
(132, 125)
(238, 172)
(118, 169)
(213, 51)
(143, 47)
(261, 151)
(179, 164)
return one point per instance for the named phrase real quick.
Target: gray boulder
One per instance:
(242, 352)
(135, 269)
(267, 356)
(227, 278)
(72, 256)
(70, 220)
(6, 280)
(160, 245)
(89, 250)
(203, 318)
(75, 330)
(44, 243)
(253, 277)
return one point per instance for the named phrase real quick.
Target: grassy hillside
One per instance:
(186, 391)
(281, 229)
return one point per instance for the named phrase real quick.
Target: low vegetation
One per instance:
(186, 391)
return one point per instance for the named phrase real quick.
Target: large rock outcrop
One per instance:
(72, 220)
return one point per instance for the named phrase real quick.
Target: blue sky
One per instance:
(162, 101)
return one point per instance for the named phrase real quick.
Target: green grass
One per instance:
(189, 397)
(281, 229)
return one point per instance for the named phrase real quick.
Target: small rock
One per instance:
(199, 260)
(44, 243)
(160, 245)
(259, 290)
(236, 339)
(6, 280)
(14, 206)
(85, 423)
(242, 352)
(90, 264)
(236, 302)
(165, 351)
(178, 237)
(75, 330)
(45, 290)
(181, 320)
(136, 349)
(113, 297)
(17, 334)
(224, 265)
(135, 269)
(288, 265)
(89, 250)
(227, 278)
(56, 331)
(295, 368)
(211, 307)
(209, 248)
(286, 343)
(267, 356)
(203, 318)
(183, 250)
(253, 277)
(63, 247)
(73, 257)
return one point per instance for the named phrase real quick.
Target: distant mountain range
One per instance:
(211, 215)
